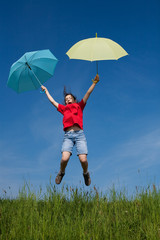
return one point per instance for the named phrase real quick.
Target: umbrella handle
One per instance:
(41, 91)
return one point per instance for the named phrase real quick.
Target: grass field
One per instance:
(77, 214)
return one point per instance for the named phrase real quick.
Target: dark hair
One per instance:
(65, 93)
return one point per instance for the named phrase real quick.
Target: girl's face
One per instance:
(69, 99)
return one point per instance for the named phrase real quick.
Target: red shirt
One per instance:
(72, 114)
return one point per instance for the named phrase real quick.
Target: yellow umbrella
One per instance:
(96, 49)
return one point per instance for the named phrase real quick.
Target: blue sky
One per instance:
(122, 116)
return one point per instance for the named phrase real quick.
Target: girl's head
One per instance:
(69, 97)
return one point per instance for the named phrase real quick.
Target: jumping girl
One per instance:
(73, 130)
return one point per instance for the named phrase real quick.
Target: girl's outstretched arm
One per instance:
(49, 96)
(96, 79)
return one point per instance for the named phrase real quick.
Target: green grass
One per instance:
(76, 214)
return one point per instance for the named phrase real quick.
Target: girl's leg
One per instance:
(63, 164)
(64, 161)
(84, 162)
(66, 150)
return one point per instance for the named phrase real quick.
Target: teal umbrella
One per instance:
(32, 70)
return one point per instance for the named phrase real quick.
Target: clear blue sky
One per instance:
(122, 116)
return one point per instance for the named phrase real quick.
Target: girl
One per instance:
(73, 127)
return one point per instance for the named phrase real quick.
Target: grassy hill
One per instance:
(76, 214)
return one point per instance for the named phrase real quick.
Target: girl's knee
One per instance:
(65, 156)
(83, 157)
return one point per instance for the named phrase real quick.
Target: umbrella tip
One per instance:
(96, 34)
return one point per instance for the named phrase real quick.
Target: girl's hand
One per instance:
(44, 88)
(96, 79)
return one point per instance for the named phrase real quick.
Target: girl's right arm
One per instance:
(90, 90)
(49, 96)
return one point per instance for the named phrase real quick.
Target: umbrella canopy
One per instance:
(96, 49)
(31, 70)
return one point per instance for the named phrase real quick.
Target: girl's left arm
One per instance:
(90, 90)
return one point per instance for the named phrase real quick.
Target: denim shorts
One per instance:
(76, 138)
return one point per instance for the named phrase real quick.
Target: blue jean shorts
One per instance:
(76, 138)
